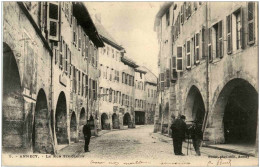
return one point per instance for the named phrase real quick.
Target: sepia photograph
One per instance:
(171, 83)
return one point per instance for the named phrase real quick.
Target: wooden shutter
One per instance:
(188, 55)
(242, 29)
(229, 34)
(167, 84)
(210, 57)
(203, 43)
(197, 50)
(220, 40)
(179, 59)
(182, 14)
(251, 13)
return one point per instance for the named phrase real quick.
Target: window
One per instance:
(168, 18)
(123, 77)
(110, 74)
(86, 47)
(53, 21)
(182, 14)
(188, 55)
(161, 81)
(250, 19)
(179, 59)
(90, 88)
(229, 34)
(239, 29)
(126, 75)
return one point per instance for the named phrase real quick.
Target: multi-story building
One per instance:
(50, 74)
(145, 95)
(140, 96)
(151, 95)
(116, 82)
(207, 62)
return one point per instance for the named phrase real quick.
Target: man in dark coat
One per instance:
(87, 135)
(196, 136)
(178, 134)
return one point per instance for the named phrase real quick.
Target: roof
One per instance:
(150, 76)
(84, 19)
(106, 37)
(128, 61)
(161, 12)
(141, 69)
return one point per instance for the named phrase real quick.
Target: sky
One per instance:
(131, 24)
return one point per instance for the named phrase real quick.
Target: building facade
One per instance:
(207, 62)
(50, 57)
(116, 83)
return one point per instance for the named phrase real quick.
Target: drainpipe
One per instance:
(207, 72)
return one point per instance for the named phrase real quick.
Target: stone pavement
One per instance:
(139, 146)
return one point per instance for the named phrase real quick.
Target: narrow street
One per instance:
(139, 144)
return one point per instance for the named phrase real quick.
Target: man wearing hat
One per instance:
(196, 136)
(87, 135)
(178, 134)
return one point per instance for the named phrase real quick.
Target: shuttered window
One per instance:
(61, 52)
(86, 87)
(229, 34)
(182, 14)
(188, 55)
(179, 59)
(251, 13)
(53, 20)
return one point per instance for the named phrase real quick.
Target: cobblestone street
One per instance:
(137, 145)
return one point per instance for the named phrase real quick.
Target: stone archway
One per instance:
(73, 127)
(127, 120)
(82, 122)
(13, 102)
(194, 106)
(41, 138)
(61, 120)
(105, 122)
(115, 121)
(234, 117)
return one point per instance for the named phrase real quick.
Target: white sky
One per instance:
(131, 25)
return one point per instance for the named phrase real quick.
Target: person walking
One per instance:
(196, 136)
(87, 135)
(178, 128)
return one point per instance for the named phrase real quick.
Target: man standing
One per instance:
(178, 134)
(196, 136)
(87, 135)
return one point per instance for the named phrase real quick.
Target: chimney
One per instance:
(98, 17)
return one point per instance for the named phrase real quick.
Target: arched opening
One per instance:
(235, 113)
(41, 139)
(115, 121)
(73, 127)
(61, 120)
(13, 102)
(105, 122)
(194, 107)
(82, 122)
(139, 117)
(127, 120)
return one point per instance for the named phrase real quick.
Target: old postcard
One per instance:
(130, 83)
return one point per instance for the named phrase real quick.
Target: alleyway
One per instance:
(138, 144)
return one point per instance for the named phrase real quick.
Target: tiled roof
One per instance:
(106, 36)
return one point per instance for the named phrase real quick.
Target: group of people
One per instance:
(180, 130)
